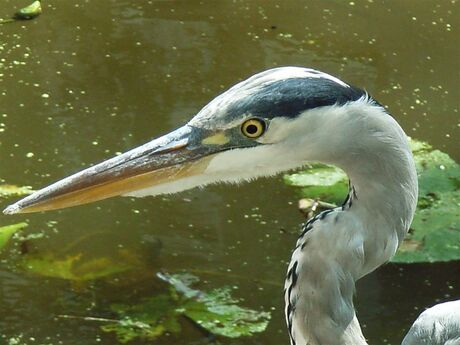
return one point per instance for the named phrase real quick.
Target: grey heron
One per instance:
(275, 121)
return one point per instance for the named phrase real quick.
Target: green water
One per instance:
(88, 79)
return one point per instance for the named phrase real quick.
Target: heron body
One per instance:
(275, 121)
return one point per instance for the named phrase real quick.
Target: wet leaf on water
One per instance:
(316, 175)
(29, 12)
(437, 173)
(320, 181)
(7, 190)
(220, 314)
(72, 267)
(7, 231)
(436, 225)
(435, 231)
(216, 311)
(148, 320)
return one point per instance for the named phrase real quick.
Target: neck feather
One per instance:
(338, 247)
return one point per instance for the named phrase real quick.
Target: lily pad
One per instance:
(220, 314)
(7, 231)
(72, 267)
(215, 311)
(29, 12)
(147, 320)
(317, 175)
(437, 172)
(435, 231)
(320, 181)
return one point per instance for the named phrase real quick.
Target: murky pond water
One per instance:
(88, 79)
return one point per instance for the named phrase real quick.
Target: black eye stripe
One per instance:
(291, 97)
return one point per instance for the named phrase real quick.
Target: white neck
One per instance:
(342, 246)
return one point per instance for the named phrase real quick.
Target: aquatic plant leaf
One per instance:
(334, 194)
(436, 225)
(437, 173)
(29, 12)
(435, 230)
(72, 267)
(147, 320)
(7, 190)
(216, 311)
(127, 330)
(219, 313)
(320, 181)
(7, 231)
(316, 175)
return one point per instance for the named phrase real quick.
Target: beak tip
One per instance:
(12, 209)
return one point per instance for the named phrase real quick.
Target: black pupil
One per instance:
(251, 129)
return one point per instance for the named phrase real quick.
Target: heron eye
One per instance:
(253, 128)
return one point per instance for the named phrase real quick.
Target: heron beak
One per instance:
(182, 153)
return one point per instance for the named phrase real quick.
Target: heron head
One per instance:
(256, 128)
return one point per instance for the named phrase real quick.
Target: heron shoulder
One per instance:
(438, 325)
